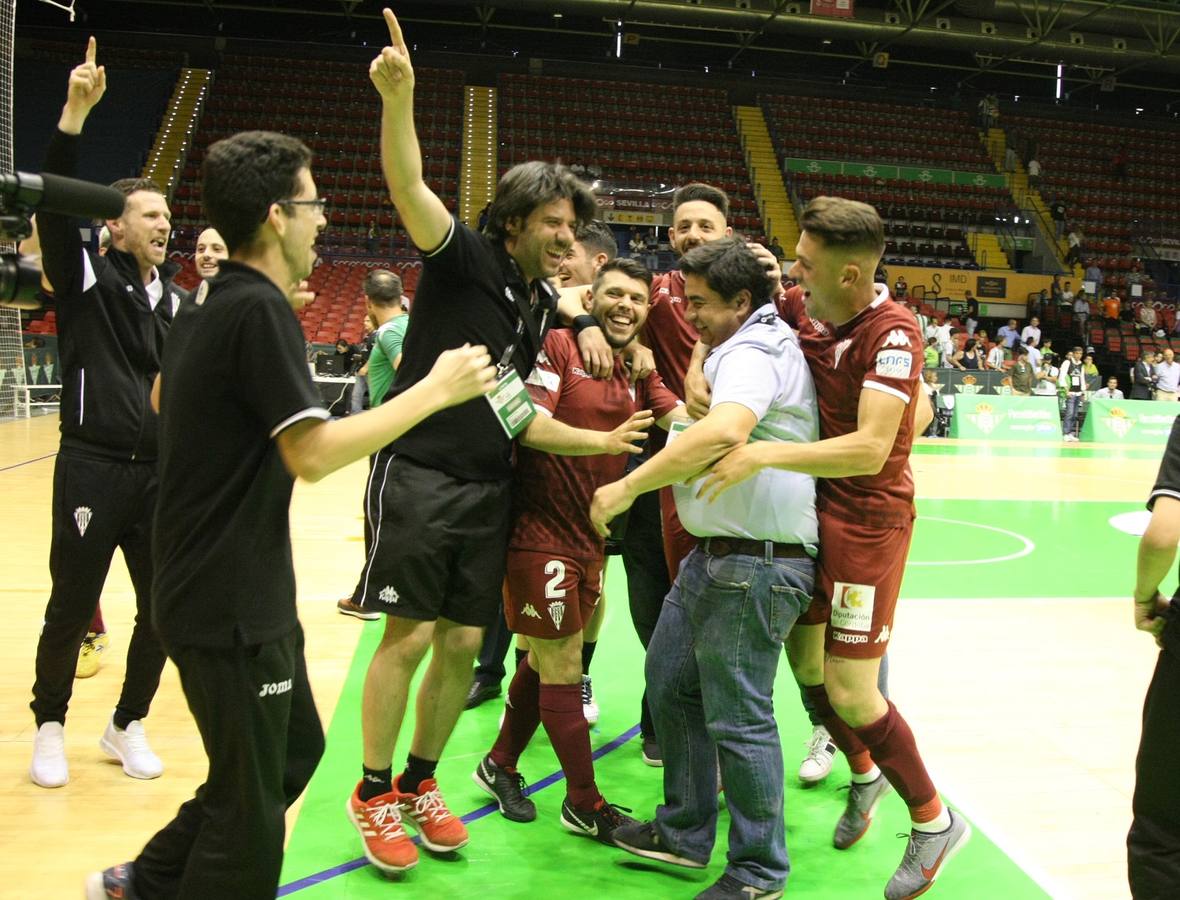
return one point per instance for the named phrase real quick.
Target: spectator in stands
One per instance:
(210, 251)
(901, 290)
(1111, 308)
(1146, 318)
(652, 246)
(371, 237)
(1167, 377)
(972, 312)
(1067, 296)
(1031, 330)
(1143, 377)
(1057, 212)
(1092, 373)
(946, 344)
(358, 398)
(1072, 379)
(996, 357)
(970, 357)
(1009, 158)
(1055, 290)
(1035, 356)
(1047, 374)
(115, 312)
(636, 245)
(1075, 239)
(1111, 391)
(1023, 373)
(1034, 173)
(932, 355)
(1094, 274)
(1081, 310)
(1008, 334)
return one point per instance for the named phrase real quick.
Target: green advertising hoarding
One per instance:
(886, 172)
(1129, 421)
(1011, 418)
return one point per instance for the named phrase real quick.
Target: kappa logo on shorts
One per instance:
(883, 637)
(530, 611)
(82, 517)
(852, 606)
(388, 594)
(844, 638)
(557, 613)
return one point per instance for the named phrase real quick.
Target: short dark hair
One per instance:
(1022, 350)
(698, 190)
(128, 186)
(845, 224)
(528, 185)
(729, 266)
(596, 237)
(383, 288)
(243, 175)
(629, 267)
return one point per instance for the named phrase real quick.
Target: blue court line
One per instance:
(473, 816)
(27, 462)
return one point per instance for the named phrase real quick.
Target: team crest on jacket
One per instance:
(82, 517)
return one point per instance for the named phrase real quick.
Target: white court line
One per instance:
(1007, 845)
(1028, 547)
(1042, 601)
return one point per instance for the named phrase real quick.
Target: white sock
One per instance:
(867, 777)
(939, 823)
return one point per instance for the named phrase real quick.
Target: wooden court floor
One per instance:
(1014, 659)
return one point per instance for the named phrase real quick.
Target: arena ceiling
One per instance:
(973, 44)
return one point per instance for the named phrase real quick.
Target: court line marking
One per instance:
(476, 814)
(1028, 548)
(27, 462)
(1045, 601)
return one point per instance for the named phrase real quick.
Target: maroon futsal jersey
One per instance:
(553, 493)
(879, 349)
(668, 334)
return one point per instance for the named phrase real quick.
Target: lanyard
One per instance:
(505, 362)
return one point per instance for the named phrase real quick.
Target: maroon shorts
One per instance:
(858, 580)
(550, 596)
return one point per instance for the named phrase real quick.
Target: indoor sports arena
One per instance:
(666, 448)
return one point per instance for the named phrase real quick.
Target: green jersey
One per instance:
(387, 347)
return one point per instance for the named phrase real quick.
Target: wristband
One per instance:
(581, 323)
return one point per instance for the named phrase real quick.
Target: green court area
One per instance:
(962, 549)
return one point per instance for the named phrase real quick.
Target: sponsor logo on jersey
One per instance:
(580, 372)
(896, 338)
(845, 638)
(883, 637)
(557, 613)
(894, 363)
(819, 326)
(852, 607)
(840, 348)
(275, 687)
(530, 611)
(82, 517)
(388, 594)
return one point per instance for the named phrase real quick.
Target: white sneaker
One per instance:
(131, 748)
(821, 750)
(589, 705)
(49, 768)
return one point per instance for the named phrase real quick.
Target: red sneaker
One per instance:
(379, 821)
(427, 814)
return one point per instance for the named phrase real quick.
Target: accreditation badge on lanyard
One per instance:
(509, 399)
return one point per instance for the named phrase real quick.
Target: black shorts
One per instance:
(439, 544)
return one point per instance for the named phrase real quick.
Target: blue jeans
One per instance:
(710, 667)
(1073, 403)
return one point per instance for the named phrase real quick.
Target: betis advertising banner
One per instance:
(1129, 421)
(998, 417)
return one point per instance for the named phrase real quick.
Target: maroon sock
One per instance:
(521, 716)
(97, 625)
(565, 723)
(843, 734)
(893, 748)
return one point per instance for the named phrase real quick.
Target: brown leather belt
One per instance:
(727, 546)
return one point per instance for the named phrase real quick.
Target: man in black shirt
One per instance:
(449, 487)
(240, 419)
(113, 314)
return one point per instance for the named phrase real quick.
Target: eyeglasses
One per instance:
(318, 205)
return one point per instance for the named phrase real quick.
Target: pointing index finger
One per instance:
(395, 30)
(91, 49)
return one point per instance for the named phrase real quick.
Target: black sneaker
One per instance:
(729, 888)
(599, 823)
(651, 752)
(479, 692)
(642, 839)
(508, 789)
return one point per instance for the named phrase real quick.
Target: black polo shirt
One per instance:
(466, 295)
(234, 375)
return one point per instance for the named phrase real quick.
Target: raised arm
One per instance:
(422, 213)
